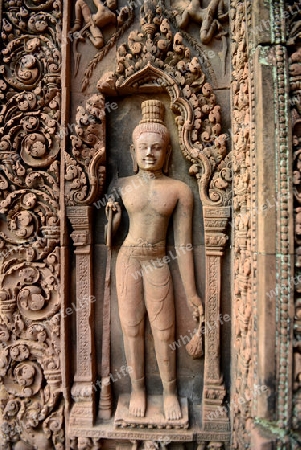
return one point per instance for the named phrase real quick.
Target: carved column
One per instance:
(214, 415)
(84, 179)
(83, 390)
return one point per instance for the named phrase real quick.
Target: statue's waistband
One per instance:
(141, 248)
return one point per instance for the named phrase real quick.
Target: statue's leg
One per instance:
(96, 36)
(221, 15)
(182, 19)
(210, 24)
(206, 34)
(159, 302)
(40, 441)
(132, 313)
(82, 11)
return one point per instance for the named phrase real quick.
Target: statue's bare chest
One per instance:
(151, 198)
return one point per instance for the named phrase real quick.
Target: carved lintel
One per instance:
(83, 390)
(215, 220)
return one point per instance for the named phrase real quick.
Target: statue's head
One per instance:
(151, 140)
(112, 4)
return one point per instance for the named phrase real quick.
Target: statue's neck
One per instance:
(150, 175)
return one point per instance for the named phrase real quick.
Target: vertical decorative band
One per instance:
(32, 403)
(214, 417)
(83, 390)
(284, 259)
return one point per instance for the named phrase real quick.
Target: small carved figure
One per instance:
(30, 298)
(95, 22)
(143, 278)
(21, 224)
(29, 200)
(25, 374)
(209, 18)
(19, 352)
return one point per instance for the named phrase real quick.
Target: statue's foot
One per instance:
(137, 403)
(172, 410)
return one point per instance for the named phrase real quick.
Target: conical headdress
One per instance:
(152, 120)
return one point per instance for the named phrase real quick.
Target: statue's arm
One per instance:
(183, 243)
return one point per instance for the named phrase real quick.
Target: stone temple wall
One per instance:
(223, 76)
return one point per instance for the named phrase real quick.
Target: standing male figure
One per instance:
(149, 208)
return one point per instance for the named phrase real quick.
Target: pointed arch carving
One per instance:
(198, 120)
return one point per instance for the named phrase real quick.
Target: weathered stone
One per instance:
(73, 78)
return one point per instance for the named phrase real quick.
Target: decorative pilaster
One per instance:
(83, 390)
(214, 415)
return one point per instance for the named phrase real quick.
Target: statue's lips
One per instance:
(149, 160)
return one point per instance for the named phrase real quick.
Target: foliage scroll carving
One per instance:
(30, 352)
(85, 167)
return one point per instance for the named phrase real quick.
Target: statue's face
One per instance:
(150, 150)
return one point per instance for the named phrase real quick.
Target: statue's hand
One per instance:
(113, 206)
(197, 306)
(113, 213)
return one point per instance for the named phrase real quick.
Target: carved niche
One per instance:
(156, 61)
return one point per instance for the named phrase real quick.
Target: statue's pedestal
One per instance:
(154, 416)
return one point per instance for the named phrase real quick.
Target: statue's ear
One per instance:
(167, 158)
(133, 155)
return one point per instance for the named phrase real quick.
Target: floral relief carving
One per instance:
(154, 59)
(30, 353)
(85, 167)
(242, 244)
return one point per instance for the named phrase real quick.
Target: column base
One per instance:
(83, 413)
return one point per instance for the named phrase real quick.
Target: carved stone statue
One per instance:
(95, 22)
(142, 273)
(209, 18)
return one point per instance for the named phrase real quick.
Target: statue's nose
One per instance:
(149, 150)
